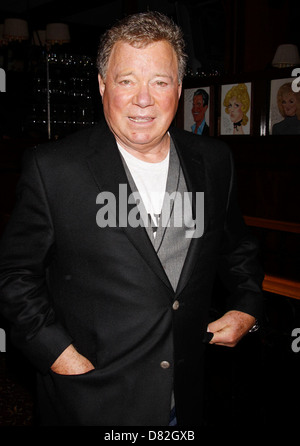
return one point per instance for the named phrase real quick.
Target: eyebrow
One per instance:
(131, 73)
(164, 76)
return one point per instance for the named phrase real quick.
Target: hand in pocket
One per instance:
(70, 362)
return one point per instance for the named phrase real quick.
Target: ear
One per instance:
(101, 85)
(179, 90)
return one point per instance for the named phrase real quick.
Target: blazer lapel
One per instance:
(196, 181)
(109, 174)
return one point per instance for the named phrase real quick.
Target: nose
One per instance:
(143, 97)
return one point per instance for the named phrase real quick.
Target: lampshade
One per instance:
(286, 56)
(57, 33)
(15, 29)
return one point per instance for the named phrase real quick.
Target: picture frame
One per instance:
(284, 107)
(197, 110)
(236, 109)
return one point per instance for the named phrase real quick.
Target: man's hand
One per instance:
(70, 362)
(230, 328)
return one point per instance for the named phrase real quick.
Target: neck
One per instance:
(237, 124)
(198, 123)
(153, 154)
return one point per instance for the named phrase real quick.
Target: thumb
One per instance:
(217, 329)
(216, 325)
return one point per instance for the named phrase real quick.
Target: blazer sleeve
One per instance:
(25, 252)
(239, 262)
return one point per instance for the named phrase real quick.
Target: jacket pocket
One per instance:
(80, 400)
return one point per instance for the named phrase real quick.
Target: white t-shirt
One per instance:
(150, 180)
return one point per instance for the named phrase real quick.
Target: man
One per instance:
(200, 105)
(113, 314)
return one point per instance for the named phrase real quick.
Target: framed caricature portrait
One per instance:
(284, 113)
(236, 109)
(197, 110)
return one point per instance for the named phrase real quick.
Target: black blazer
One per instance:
(63, 279)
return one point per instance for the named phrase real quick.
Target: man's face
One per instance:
(198, 109)
(140, 94)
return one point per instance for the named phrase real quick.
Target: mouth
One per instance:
(141, 119)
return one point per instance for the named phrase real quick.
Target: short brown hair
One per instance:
(139, 30)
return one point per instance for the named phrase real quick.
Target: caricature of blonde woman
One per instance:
(237, 104)
(288, 103)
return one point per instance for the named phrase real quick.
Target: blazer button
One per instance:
(165, 364)
(175, 305)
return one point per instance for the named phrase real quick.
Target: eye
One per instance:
(125, 82)
(161, 83)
